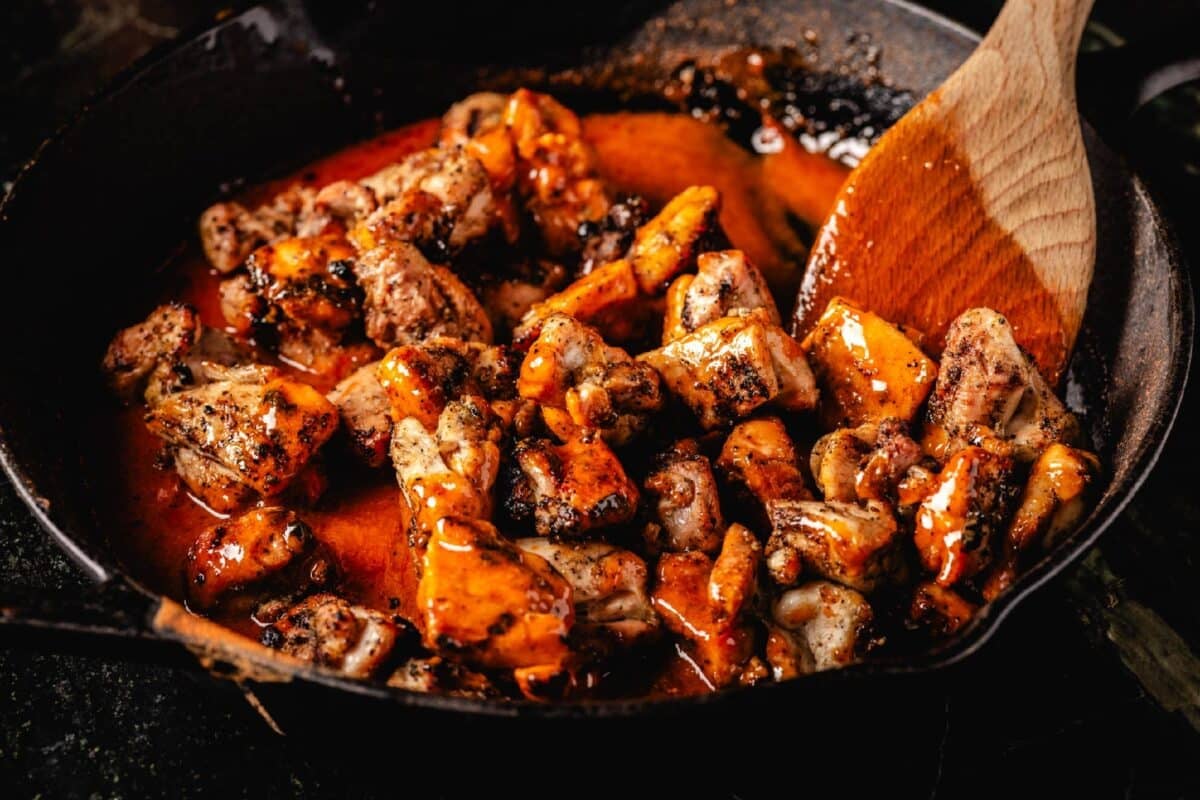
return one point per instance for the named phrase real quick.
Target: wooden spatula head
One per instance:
(979, 196)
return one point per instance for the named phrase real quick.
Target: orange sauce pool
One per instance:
(153, 520)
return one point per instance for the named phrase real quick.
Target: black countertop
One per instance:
(1092, 686)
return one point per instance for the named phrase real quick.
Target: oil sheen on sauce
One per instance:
(153, 520)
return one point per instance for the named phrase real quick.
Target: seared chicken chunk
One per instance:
(686, 503)
(868, 369)
(760, 461)
(570, 367)
(858, 546)
(987, 381)
(724, 282)
(439, 200)
(605, 298)
(309, 280)
(612, 603)
(419, 380)
(863, 463)
(669, 244)
(336, 208)
(489, 603)
(940, 611)
(166, 336)
(957, 526)
(609, 240)
(702, 601)
(726, 369)
(407, 299)
(1054, 499)
(265, 552)
(229, 231)
(569, 489)
(365, 412)
(330, 632)
(818, 626)
(259, 425)
(440, 675)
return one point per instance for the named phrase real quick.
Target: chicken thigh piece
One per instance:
(818, 626)
(868, 369)
(858, 546)
(864, 463)
(307, 280)
(229, 231)
(685, 501)
(365, 413)
(988, 382)
(604, 298)
(726, 369)
(669, 243)
(759, 460)
(166, 336)
(601, 387)
(419, 380)
(725, 282)
(329, 632)
(569, 490)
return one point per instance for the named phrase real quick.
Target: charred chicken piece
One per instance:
(438, 199)
(510, 296)
(669, 244)
(612, 604)
(987, 381)
(308, 280)
(868, 369)
(407, 299)
(330, 632)
(605, 298)
(571, 489)
(267, 552)
(940, 611)
(609, 240)
(863, 463)
(601, 387)
(858, 546)
(556, 170)
(336, 208)
(488, 603)
(435, 674)
(760, 462)
(686, 503)
(229, 231)
(726, 369)
(1054, 499)
(260, 426)
(958, 525)
(725, 282)
(818, 626)
(702, 600)
(419, 380)
(365, 412)
(164, 337)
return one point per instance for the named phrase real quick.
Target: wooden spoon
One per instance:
(979, 196)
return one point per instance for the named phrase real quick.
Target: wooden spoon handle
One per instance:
(1057, 26)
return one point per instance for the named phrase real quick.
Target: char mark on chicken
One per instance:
(330, 632)
(685, 501)
(856, 545)
(365, 413)
(817, 627)
(725, 282)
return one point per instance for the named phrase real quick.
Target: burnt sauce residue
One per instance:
(774, 195)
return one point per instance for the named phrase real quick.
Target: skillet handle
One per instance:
(109, 621)
(1114, 83)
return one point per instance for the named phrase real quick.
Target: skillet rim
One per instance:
(978, 632)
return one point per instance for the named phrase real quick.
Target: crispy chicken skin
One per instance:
(686, 504)
(609, 240)
(489, 603)
(986, 381)
(309, 280)
(570, 490)
(724, 282)
(419, 380)
(759, 460)
(267, 550)
(702, 600)
(601, 387)
(863, 463)
(407, 299)
(1051, 505)
(330, 632)
(818, 626)
(957, 525)
(669, 243)
(855, 545)
(868, 369)
(365, 412)
(166, 336)
(609, 586)
(726, 369)
(229, 231)
(601, 298)
(259, 425)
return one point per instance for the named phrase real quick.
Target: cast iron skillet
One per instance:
(109, 197)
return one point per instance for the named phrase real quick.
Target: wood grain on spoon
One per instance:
(979, 196)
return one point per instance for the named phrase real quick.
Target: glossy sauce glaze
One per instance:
(771, 201)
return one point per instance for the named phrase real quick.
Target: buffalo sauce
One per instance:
(153, 520)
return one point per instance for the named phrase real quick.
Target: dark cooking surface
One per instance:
(1074, 685)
